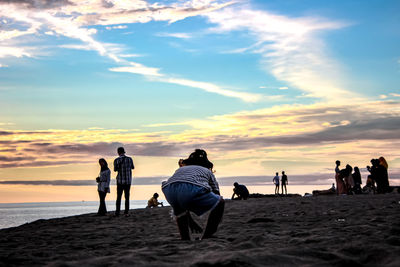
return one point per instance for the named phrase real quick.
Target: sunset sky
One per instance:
(262, 86)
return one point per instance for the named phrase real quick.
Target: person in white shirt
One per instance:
(275, 180)
(103, 185)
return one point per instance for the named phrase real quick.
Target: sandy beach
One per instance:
(326, 230)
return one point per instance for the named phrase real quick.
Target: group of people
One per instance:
(283, 181)
(192, 188)
(349, 182)
(123, 165)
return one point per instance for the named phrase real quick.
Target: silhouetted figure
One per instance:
(275, 180)
(124, 166)
(348, 179)
(383, 172)
(284, 181)
(374, 173)
(357, 181)
(240, 191)
(383, 162)
(382, 181)
(193, 187)
(153, 202)
(103, 185)
(340, 187)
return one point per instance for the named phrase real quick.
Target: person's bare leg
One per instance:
(183, 227)
(214, 219)
(194, 227)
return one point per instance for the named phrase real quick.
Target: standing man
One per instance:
(124, 166)
(276, 182)
(284, 181)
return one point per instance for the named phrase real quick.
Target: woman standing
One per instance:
(103, 186)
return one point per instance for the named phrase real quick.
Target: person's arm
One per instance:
(115, 165)
(213, 183)
(133, 166)
(103, 176)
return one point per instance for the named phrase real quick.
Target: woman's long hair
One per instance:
(199, 157)
(383, 162)
(104, 167)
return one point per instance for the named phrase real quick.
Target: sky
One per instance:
(262, 86)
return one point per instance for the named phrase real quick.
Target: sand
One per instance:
(311, 231)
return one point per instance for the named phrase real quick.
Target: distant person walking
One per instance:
(103, 185)
(284, 181)
(275, 180)
(124, 166)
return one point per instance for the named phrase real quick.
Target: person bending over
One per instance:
(193, 187)
(240, 191)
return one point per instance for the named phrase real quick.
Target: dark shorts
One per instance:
(189, 197)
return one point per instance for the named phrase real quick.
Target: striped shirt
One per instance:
(124, 165)
(196, 175)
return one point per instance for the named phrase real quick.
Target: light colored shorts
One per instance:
(189, 197)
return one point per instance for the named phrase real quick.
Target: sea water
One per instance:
(15, 214)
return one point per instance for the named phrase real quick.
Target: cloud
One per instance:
(317, 130)
(137, 68)
(7, 51)
(179, 35)
(38, 4)
(283, 88)
(119, 27)
(290, 48)
(212, 88)
(3, 66)
(69, 21)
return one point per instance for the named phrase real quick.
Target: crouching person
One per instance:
(193, 187)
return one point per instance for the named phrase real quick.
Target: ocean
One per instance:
(15, 214)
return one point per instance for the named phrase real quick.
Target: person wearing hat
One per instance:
(193, 187)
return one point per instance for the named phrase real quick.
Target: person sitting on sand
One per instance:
(284, 181)
(330, 191)
(275, 180)
(193, 187)
(103, 185)
(153, 202)
(241, 191)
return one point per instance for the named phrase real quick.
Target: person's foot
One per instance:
(116, 214)
(126, 214)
